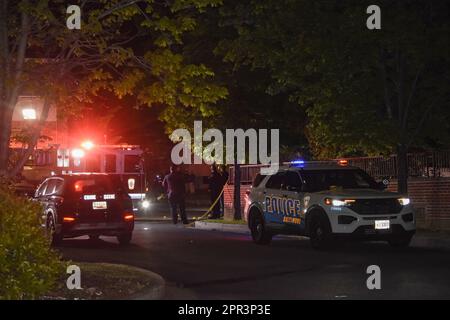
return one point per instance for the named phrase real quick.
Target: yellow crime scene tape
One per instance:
(205, 215)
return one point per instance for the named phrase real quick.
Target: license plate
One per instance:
(382, 224)
(99, 205)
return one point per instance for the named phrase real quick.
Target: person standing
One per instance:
(175, 187)
(215, 188)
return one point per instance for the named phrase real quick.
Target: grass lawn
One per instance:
(103, 281)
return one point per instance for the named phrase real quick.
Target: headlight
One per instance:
(145, 204)
(404, 201)
(338, 202)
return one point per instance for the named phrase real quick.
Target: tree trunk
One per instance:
(4, 138)
(5, 135)
(237, 191)
(402, 168)
(10, 81)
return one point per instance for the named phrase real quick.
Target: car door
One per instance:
(47, 199)
(273, 200)
(39, 196)
(293, 195)
(53, 196)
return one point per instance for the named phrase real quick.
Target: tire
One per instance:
(320, 233)
(55, 238)
(400, 242)
(124, 239)
(260, 234)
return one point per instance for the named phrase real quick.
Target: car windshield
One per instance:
(98, 184)
(320, 180)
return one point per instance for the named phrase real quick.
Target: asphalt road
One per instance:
(200, 264)
(160, 211)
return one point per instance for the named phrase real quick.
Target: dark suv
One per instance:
(86, 204)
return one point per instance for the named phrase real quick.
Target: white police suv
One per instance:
(326, 201)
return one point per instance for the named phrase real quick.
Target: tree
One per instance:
(248, 105)
(127, 47)
(364, 91)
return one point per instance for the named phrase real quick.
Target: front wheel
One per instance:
(124, 239)
(260, 234)
(320, 234)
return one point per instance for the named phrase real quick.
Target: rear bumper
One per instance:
(99, 228)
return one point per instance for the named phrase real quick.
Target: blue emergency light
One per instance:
(298, 163)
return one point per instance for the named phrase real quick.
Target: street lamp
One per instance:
(29, 114)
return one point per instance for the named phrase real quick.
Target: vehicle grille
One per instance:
(376, 206)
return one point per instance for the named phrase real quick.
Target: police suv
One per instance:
(92, 204)
(326, 201)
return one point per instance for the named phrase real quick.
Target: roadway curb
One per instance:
(224, 227)
(155, 292)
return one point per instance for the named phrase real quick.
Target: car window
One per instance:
(59, 187)
(110, 163)
(275, 181)
(51, 185)
(293, 181)
(346, 179)
(132, 163)
(40, 191)
(258, 179)
(96, 184)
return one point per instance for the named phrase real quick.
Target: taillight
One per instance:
(128, 217)
(68, 219)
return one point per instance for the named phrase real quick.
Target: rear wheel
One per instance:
(55, 238)
(124, 239)
(400, 242)
(260, 234)
(320, 233)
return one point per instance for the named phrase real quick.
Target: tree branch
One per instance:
(34, 139)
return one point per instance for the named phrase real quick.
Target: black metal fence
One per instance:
(424, 165)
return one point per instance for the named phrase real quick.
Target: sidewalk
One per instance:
(224, 227)
(433, 239)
